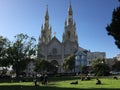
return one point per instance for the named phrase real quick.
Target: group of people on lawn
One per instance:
(87, 78)
(98, 82)
(43, 79)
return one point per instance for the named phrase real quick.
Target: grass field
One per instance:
(63, 84)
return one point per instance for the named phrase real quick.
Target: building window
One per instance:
(54, 50)
(68, 34)
(89, 62)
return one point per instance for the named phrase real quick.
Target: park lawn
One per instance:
(107, 83)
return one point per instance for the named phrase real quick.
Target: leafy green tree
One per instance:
(114, 27)
(100, 68)
(21, 51)
(4, 44)
(84, 69)
(116, 66)
(65, 66)
(69, 63)
(55, 65)
(43, 66)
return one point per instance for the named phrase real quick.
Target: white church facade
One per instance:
(50, 48)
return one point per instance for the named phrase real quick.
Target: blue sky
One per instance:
(91, 17)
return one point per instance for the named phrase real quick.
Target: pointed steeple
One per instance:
(46, 24)
(47, 14)
(46, 29)
(70, 10)
(42, 27)
(65, 23)
(70, 14)
(70, 27)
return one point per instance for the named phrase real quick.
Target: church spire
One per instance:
(70, 10)
(46, 17)
(70, 14)
(70, 27)
(47, 14)
(46, 29)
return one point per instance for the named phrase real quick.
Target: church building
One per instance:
(53, 50)
(50, 48)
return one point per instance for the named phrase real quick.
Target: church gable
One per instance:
(54, 47)
(80, 53)
(54, 39)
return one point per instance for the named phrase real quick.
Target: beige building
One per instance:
(94, 55)
(110, 62)
(118, 57)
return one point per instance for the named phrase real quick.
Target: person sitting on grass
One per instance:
(75, 82)
(98, 82)
(115, 77)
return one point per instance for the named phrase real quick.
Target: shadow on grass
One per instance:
(19, 87)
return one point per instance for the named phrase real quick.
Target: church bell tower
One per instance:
(70, 27)
(46, 30)
(45, 37)
(70, 38)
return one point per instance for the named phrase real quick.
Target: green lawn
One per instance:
(62, 84)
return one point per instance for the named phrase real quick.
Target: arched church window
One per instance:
(69, 20)
(43, 39)
(89, 62)
(68, 34)
(54, 50)
(43, 32)
(48, 38)
(54, 62)
(82, 57)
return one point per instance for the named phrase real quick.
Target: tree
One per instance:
(113, 29)
(65, 66)
(43, 66)
(84, 69)
(55, 65)
(4, 43)
(116, 66)
(4, 63)
(21, 51)
(100, 68)
(69, 63)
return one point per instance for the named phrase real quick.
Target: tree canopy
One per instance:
(116, 66)
(20, 51)
(100, 68)
(113, 28)
(69, 63)
(4, 44)
(44, 66)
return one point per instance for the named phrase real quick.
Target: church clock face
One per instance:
(54, 50)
